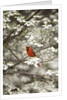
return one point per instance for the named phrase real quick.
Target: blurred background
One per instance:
(39, 30)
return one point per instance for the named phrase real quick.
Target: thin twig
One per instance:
(42, 48)
(33, 15)
(27, 73)
(9, 37)
(48, 60)
(13, 53)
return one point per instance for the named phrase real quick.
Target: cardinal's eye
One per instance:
(27, 49)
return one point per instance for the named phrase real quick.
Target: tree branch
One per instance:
(9, 37)
(30, 74)
(43, 48)
(13, 54)
(48, 60)
(20, 61)
(30, 17)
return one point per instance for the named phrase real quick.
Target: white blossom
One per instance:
(33, 21)
(56, 39)
(26, 36)
(5, 67)
(33, 61)
(52, 16)
(21, 19)
(45, 22)
(49, 72)
(53, 49)
(55, 20)
(18, 28)
(38, 44)
(16, 33)
(47, 26)
(32, 41)
(13, 13)
(53, 29)
(12, 34)
(30, 23)
(10, 64)
(37, 16)
(6, 19)
(6, 26)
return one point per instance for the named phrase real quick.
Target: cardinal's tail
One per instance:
(38, 65)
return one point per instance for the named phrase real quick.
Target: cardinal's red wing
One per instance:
(33, 53)
(30, 52)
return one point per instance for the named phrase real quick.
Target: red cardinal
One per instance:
(31, 53)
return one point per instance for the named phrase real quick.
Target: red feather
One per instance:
(31, 53)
